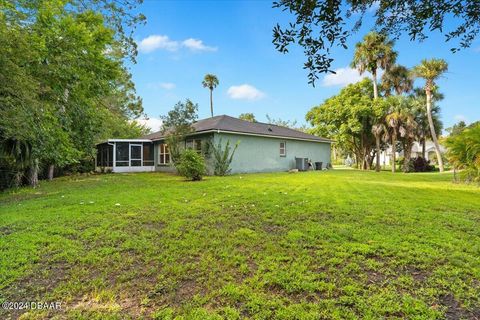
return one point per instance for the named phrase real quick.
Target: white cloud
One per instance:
(154, 124)
(342, 77)
(197, 45)
(460, 117)
(163, 42)
(161, 85)
(245, 92)
(155, 42)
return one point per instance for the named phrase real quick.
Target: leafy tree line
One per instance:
(64, 83)
(366, 117)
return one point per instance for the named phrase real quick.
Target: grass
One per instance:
(342, 244)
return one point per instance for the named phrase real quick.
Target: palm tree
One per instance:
(210, 81)
(421, 117)
(378, 130)
(394, 123)
(398, 79)
(431, 70)
(408, 130)
(375, 52)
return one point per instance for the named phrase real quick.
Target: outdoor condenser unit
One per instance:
(301, 164)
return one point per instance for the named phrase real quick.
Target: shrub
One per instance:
(464, 152)
(191, 165)
(222, 157)
(420, 164)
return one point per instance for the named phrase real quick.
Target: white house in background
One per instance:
(386, 156)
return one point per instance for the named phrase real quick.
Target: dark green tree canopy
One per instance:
(181, 117)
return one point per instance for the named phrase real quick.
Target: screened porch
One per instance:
(125, 155)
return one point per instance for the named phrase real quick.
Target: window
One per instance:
(198, 145)
(122, 154)
(195, 144)
(163, 154)
(283, 149)
(148, 154)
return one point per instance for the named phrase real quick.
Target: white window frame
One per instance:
(283, 151)
(160, 153)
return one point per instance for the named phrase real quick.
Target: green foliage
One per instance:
(210, 81)
(464, 152)
(177, 124)
(222, 157)
(179, 120)
(247, 117)
(65, 82)
(348, 119)
(320, 25)
(397, 79)
(457, 128)
(317, 245)
(374, 52)
(191, 165)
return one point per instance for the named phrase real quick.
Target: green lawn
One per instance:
(341, 244)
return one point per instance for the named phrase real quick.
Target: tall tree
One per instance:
(348, 118)
(318, 26)
(421, 116)
(398, 79)
(210, 81)
(177, 124)
(431, 70)
(68, 57)
(375, 52)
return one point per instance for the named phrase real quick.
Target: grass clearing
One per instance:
(342, 244)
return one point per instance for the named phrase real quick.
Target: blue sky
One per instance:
(184, 40)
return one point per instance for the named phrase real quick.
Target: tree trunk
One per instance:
(211, 102)
(34, 173)
(394, 156)
(432, 129)
(375, 96)
(377, 145)
(51, 169)
(407, 150)
(375, 88)
(424, 147)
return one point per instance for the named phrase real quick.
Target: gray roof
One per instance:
(226, 123)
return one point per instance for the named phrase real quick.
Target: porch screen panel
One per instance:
(122, 154)
(109, 156)
(148, 154)
(135, 155)
(104, 155)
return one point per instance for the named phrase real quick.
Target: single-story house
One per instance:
(262, 147)
(430, 154)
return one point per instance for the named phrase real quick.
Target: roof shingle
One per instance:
(230, 124)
